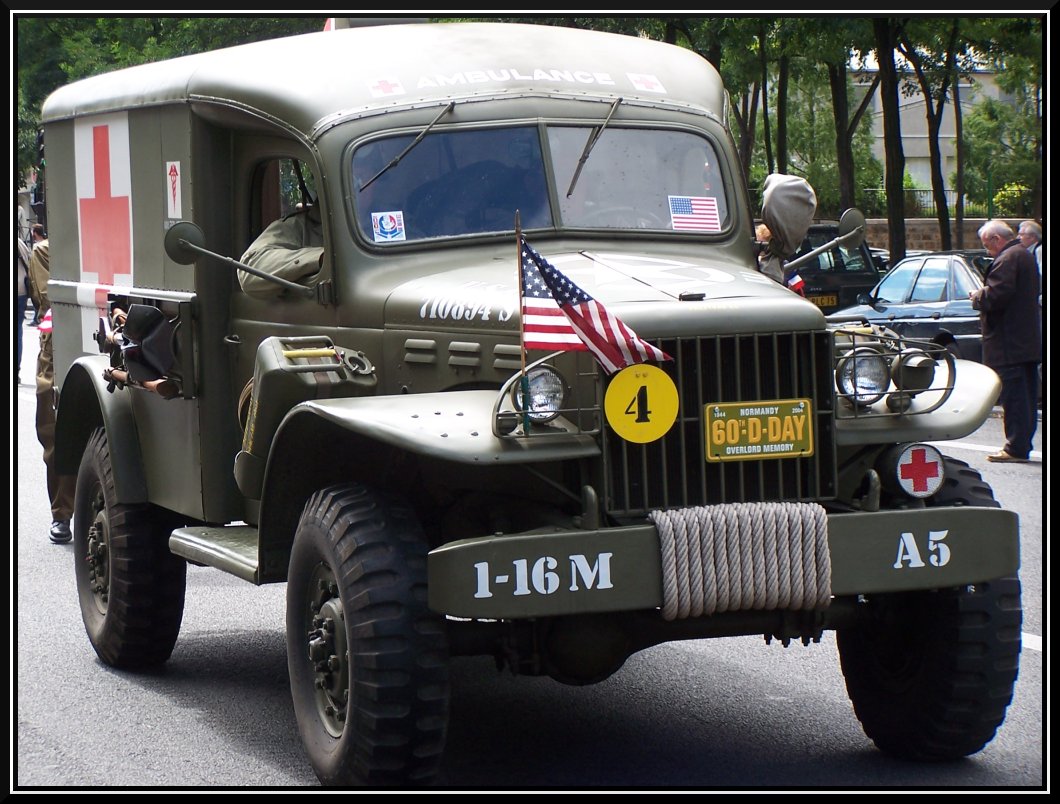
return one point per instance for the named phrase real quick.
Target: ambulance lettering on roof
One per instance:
(104, 209)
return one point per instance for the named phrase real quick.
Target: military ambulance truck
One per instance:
(375, 435)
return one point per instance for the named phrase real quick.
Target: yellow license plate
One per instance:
(824, 301)
(770, 428)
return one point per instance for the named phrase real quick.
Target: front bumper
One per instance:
(619, 569)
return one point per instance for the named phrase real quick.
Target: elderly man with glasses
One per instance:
(1012, 335)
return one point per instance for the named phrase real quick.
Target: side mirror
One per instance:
(851, 228)
(184, 242)
(865, 298)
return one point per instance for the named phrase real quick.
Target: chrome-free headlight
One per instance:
(546, 394)
(913, 370)
(863, 376)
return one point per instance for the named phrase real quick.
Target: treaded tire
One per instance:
(931, 674)
(368, 661)
(129, 586)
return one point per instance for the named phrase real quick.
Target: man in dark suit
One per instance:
(1012, 334)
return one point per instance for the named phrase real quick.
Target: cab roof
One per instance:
(303, 82)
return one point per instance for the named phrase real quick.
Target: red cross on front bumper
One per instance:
(919, 469)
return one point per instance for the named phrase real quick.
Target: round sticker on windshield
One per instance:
(641, 403)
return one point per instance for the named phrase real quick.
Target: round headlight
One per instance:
(545, 397)
(913, 370)
(863, 376)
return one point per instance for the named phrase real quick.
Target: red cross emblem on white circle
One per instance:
(920, 470)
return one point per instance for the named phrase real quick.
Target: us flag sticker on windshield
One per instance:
(693, 213)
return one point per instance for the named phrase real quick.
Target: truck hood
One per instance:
(632, 285)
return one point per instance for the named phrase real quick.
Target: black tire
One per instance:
(931, 674)
(368, 661)
(130, 587)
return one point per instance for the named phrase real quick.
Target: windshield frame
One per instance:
(557, 222)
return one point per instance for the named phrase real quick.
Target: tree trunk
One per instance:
(844, 151)
(765, 98)
(958, 121)
(782, 114)
(894, 157)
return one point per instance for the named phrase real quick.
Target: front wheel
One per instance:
(930, 674)
(368, 661)
(130, 587)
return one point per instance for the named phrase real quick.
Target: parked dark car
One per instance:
(926, 297)
(882, 257)
(978, 258)
(835, 278)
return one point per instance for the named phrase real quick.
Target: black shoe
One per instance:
(60, 532)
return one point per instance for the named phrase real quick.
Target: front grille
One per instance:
(674, 472)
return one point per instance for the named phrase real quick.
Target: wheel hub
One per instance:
(328, 652)
(97, 555)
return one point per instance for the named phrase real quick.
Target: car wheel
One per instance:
(930, 674)
(368, 661)
(129, 585)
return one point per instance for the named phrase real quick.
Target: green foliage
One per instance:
(1004, 140)
(1000, 149)
(811, 139)
(54, 50)
(1013, 200)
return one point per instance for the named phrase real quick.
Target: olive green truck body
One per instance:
(365, 442)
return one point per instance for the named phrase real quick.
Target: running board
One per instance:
(233, 549)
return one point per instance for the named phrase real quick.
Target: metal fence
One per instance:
(920, 204)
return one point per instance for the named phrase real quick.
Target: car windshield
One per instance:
(895, 286)
(470, 182)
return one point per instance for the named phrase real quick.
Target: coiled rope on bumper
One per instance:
(743, 556)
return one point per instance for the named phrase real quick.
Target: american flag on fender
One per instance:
(560, 316)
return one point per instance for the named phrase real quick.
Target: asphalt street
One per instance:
(712, 714)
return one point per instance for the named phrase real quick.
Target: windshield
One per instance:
(468, 182)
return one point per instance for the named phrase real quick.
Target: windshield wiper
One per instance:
(590, 143)
(410, 146)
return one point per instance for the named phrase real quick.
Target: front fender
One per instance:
(339, 440)
(976, 389)
(455, 426)
(85, 404)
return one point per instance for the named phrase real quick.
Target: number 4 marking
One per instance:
(640, 401)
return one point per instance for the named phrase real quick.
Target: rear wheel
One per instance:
(130, 587)
(368, 661)
(931, 674)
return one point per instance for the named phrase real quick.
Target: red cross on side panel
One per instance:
(919, 470)
(106, 242)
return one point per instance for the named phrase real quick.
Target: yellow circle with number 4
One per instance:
(641, 403)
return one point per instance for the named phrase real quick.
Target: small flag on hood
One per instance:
(796, 284)
(558, 315)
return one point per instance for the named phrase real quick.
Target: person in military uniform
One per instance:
(291, 248)
(60, 487)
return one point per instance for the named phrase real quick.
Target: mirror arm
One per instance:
(842, 240)
(301, 290)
